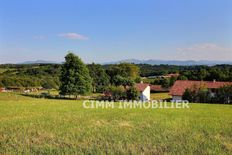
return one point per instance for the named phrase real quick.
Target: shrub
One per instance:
(201, 95)
(224, 95)
(116, 93)
(132, 93)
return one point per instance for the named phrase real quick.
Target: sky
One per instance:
(110, 30)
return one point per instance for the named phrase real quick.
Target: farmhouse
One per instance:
(144, 90)
(180, 86)
(2, 89)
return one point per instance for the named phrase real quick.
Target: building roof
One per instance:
(158, 88)
(141, 86)
(180, 86)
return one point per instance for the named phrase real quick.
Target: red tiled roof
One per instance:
(156, 87)
(180, 86)
(141, 86)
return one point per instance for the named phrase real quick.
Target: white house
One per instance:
(144, 90)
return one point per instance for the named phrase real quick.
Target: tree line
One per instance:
(47, 75)
(78, 79)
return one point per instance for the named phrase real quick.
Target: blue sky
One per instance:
(109, 30)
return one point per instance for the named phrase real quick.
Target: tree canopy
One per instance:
(99, 76)
(74, 78)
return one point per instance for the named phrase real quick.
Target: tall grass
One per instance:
(43, 126)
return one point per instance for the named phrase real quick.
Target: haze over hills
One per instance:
(172, 62)
(40, 62)
(150, 61)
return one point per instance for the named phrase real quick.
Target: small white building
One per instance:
(144, 90)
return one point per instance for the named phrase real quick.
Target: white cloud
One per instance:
(73, 36)
(205, 51)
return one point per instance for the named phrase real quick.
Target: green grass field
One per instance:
(42, 126)
(159, 96)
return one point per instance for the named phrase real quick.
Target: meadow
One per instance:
(160, 96)
(48, 126)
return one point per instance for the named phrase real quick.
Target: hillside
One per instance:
(47, 75)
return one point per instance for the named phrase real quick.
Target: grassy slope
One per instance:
(58, 126)
(159, 96)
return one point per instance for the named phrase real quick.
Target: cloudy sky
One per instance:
(110, 30)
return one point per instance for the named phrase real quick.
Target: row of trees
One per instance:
(219, 73)
(76, 78)
(121, 93)
(164, 82)
(203, 95)
(37, 75)
(46, 82)
(15, 75)
(49, 75)
(207, 73)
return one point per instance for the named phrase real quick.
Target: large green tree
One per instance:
(124, 70)
(74, 78)
(99, 76)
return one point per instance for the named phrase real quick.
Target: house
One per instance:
(2, 89)
(144, 90)
(180, 86)
(14, 89)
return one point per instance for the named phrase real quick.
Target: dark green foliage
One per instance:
(124, 70)
(164, 82)
(207, 73)
(138, 80)
(99, 76)
(74, 78)
(130, 71)
(132, 93)
(49, 84)
(122, 81)
(33, 75)
(152, 70)
(116, 93)
(188, 95)
(120, 93)
(25, 81)
(199, 96)
(224, 95)
(202, 95)
(172, 81)
(182, 77)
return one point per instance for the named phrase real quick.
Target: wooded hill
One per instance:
(47, 75)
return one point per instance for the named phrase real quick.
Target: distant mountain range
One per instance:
(172, 62)
(40, 62)
(150, 61)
